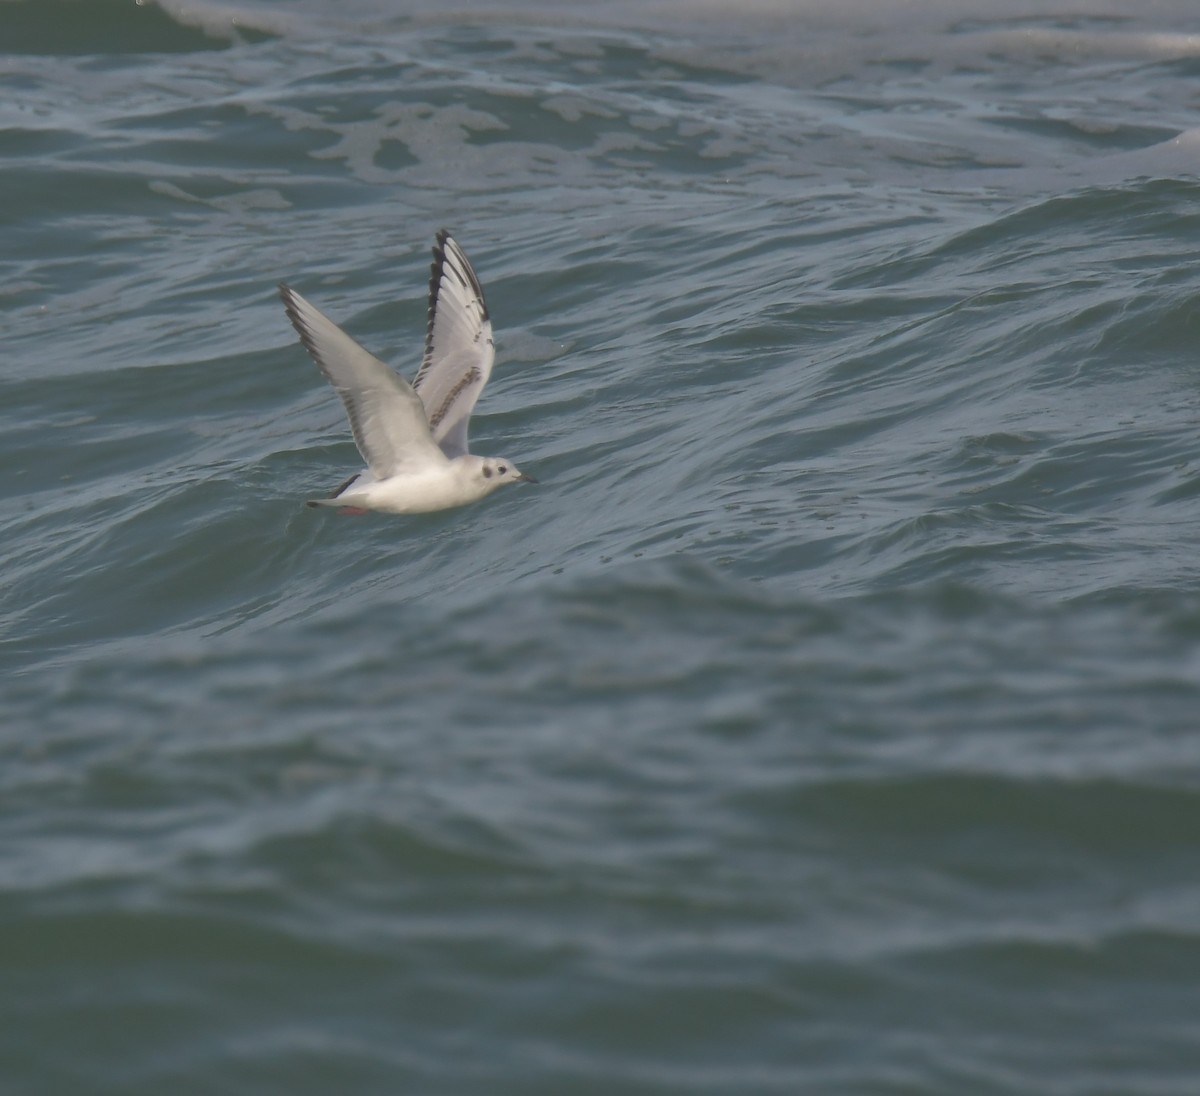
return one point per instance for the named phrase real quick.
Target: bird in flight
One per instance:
(413, 437)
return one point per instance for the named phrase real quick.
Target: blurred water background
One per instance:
(824, 722)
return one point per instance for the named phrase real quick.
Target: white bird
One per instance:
(414, 437)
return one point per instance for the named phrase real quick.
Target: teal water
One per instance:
(824, 721)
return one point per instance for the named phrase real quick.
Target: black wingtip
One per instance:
(289, 306)
(288, 296)
(439, 257)
(437, 269)
(435, 276)
(435, 281)
(437, 272)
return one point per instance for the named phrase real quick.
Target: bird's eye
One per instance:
(503, 469)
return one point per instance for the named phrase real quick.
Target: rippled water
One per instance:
(823, 722)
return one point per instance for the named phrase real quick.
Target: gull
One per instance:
(413, 437)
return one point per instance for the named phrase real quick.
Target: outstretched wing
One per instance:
(459, 350)
(386, 415)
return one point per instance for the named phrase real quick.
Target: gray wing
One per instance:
(386, 415)
(459, 350)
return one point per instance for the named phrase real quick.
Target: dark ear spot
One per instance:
(487, 471)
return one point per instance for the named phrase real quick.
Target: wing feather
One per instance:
(386, 416)
(459, 347)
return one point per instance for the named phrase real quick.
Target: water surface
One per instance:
(823, 722)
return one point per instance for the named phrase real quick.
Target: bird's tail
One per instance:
(359, 479)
